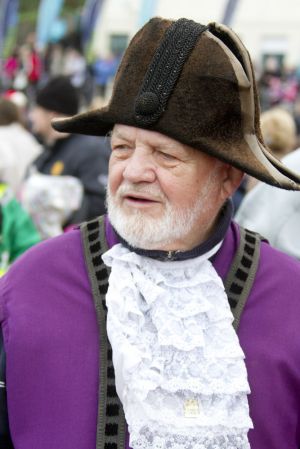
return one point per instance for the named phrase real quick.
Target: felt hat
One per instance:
(59, 95)
(193, 83)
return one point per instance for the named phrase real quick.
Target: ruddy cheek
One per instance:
(115, 176)
(114, 184)
(174, 188)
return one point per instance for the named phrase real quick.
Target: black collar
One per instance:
(218, 235)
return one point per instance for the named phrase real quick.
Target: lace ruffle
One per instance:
(216, 439)
(170, 327)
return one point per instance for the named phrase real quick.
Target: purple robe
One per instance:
(51, 340)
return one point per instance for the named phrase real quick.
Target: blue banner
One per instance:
(229, 12)
(48, 14)
(89, 17)
(8, 18)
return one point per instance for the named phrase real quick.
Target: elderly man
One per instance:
(162, 324)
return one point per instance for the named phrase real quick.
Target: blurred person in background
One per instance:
(53, 61)
(104, 69)
(20, 99)
(18, 148)
(33, 69)
(75, 68)
(11, 67)
(296, 113)
(17, 230)
(279, 131)
(274, 213)
(278, 84)
(83, 157)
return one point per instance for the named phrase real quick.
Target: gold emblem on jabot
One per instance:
(191, 408)
(57, 168)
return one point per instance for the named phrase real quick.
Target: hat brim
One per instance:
(93, 123)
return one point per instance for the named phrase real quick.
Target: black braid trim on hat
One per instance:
(165, 68)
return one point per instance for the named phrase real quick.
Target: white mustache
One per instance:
(129, 189)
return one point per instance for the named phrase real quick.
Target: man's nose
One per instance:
(140, 167)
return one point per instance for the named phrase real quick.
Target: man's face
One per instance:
(161, 194)
(41, 121)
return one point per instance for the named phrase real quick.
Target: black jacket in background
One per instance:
(85, 158)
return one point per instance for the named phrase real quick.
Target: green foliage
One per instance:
(28, 6)
(10, 42)
(72, 5)
(33, 5)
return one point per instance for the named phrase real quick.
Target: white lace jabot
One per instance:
(180, 371)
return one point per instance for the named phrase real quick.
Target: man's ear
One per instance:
(231, 179)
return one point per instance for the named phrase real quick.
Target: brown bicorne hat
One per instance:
(193, 83)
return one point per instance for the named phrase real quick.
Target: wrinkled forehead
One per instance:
(132, 132)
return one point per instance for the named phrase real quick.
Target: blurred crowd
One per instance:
(56, 181)
(26, 69)
(50, 181)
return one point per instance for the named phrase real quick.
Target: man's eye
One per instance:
(120, 147)
(121, 151)
(167, 156)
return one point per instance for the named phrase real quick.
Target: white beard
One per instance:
(141, 230)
